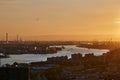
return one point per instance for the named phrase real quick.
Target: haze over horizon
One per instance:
(60, 19)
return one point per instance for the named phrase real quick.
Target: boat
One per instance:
(3, 55)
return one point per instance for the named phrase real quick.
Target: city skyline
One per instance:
(8, 37)
(60, 19)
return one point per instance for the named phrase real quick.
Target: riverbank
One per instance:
(68, 51)
(78, 67)
(89, 67)
(100, 45)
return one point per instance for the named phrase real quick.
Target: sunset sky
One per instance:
(60, 19)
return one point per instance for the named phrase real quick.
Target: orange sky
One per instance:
(60, 19)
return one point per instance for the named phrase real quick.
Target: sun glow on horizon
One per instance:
(59, 17)
(117, 26)
(117, 21)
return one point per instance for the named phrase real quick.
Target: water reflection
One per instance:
(70, 49)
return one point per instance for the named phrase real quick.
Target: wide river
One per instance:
(69, 49)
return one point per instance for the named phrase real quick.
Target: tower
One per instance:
(6, 38)
(17, 38)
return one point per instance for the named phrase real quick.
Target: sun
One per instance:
(117, 26)
(117, 21)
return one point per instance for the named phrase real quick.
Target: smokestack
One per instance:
(17, 38)
(6, 38)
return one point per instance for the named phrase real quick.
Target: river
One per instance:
(69, 49)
